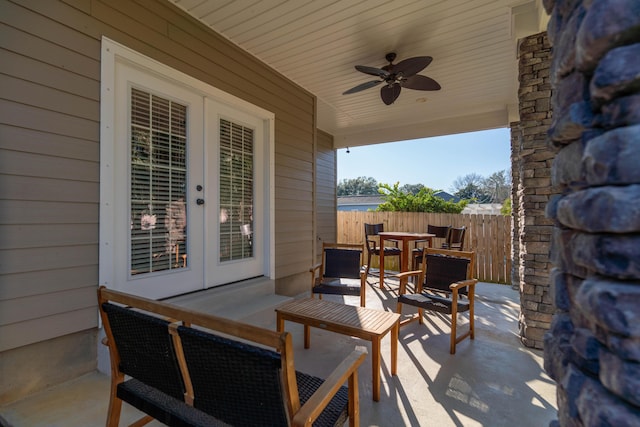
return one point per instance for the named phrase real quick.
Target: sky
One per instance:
(433, 162)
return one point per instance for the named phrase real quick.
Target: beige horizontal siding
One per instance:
(22, 236)
(49, 258)
(45, 212)
(49, 147)
(47, 166)
(40, 329)
(15, 187)
(29, 117)
(39, 142)
(62, 279)
(48, 98)
(28, 69)
(325, 184)
(46, 305)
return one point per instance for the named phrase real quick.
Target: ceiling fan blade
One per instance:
(390, 93)
(363, 86)
(419, 82)
(373, 71)
(412, 66)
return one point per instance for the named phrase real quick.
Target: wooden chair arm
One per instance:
(314, 270)
(420, 242)
(312, 409)
(404, 279)
(371, 245)
(407, 274)
(463, 284)
(395, 242)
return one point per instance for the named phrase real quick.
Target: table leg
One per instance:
(279, 323)
(394, 347)
(375, 366)
(404, 256)
(307, 336)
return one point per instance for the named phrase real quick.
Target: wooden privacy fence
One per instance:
(488, 235)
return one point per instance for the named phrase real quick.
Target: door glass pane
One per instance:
(236, 191)
(158, 184)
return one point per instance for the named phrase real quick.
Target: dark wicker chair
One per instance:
(439, 232)
(341, 265)
(373, 248)
(183, 376)
(455, 238)
(443, 285)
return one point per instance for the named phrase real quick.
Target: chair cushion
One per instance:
(342, 263)
(433, 302)
(388, 251)
(174, 412)
(336, 413)
(334, 287)
(442, 271)
(164, 408)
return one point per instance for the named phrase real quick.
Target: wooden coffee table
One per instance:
(365, 323)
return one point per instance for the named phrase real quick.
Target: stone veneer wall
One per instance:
(531, 172)
(593, 348)
(516, 136)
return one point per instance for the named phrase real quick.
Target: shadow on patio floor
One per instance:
(491, 381)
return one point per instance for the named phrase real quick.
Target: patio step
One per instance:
(235, 301)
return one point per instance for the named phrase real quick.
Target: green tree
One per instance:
(473, 193)
(470, 187)
(397, 200)
(493, 189)
(506, 207)
(361, 186)
(497, 186)
(412, 188)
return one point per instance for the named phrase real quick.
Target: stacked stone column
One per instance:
(593, 347)
(531, 172)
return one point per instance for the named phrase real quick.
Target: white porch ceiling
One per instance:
(316, 44)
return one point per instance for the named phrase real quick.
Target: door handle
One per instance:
(200, 201)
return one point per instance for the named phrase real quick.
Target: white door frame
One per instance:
(113, 53)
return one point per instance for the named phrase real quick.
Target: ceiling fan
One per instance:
(396, 76)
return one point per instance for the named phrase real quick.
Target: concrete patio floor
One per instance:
(491, 381)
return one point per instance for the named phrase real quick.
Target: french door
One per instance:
(183, 185)
(236, 222)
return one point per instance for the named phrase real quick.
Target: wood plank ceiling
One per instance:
(316, 44)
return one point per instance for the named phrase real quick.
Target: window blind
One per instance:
(158, 178)
(236, 191)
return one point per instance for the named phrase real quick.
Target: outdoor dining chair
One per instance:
(336, 274)
(373, 248)
(455, 238)
(443, 285)
(439, 232)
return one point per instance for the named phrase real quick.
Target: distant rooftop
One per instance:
(367, 202)
(482, 209)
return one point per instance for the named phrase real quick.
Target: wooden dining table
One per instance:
(405, 257)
